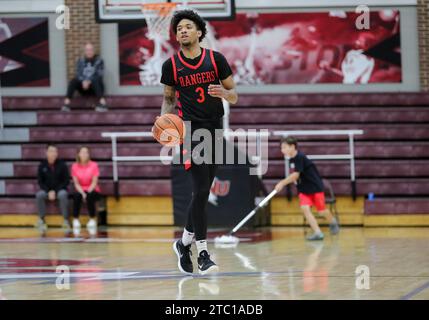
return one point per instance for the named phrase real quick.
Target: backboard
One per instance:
(130, 10)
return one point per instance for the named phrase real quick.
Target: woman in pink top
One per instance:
(85, 175)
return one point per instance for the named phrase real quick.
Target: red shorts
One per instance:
(314, 199)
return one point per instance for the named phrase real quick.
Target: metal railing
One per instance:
(115, 158)
(348, 156)
(257, 158)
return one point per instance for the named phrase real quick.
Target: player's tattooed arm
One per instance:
(169, 101)
(226, 90)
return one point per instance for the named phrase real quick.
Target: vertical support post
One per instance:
(259, 154)
(352, 166)
(115, 168)
(287, 172)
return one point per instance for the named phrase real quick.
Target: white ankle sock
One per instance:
(187, 237)
(201, 246)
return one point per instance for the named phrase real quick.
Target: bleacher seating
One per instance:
(391, 155)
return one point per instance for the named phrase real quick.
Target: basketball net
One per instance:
(158, 17)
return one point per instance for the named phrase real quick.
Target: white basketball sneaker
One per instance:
(92, 224)
(76, 227)
(76, 224)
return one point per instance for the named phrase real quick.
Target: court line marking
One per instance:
(98, 240)
(131, 275)
(415, 291)
(167, 274)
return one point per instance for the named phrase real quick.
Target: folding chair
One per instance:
(330, 198)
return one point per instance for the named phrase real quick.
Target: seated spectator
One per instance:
(53, 178)
(85, 175)
(88, 79)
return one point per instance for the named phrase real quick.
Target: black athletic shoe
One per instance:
(183, 256)
(205, 264)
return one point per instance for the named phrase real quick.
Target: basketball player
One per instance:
(200, 78)
(310, 188)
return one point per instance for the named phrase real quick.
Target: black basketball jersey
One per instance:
(191, 84)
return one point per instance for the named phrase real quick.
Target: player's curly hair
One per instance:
(190, 15)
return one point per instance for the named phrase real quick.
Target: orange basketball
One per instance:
(169, 130)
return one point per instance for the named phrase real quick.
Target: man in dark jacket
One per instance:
(53, 178)
(88, 79)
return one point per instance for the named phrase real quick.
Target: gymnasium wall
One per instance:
(83, 28)
(65, 45)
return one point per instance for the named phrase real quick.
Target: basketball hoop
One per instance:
(158, 17)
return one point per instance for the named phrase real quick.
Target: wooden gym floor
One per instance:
(270, 263)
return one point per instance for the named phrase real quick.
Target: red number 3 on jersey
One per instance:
(202, 97)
